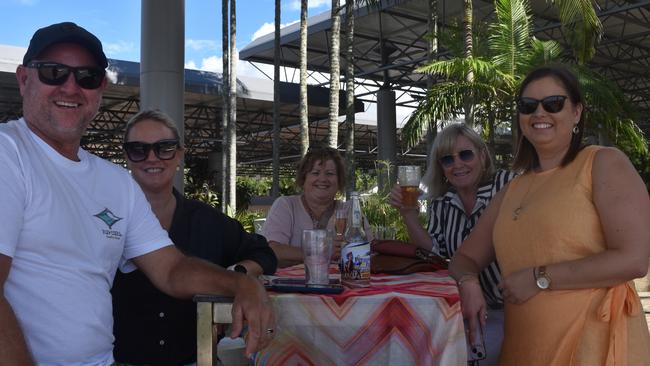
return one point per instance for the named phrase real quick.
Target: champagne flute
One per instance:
(341, 220)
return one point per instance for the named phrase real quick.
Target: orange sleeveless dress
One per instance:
(559, 222)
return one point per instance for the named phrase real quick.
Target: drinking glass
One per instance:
(316, 254)
(408, 177)
(341, 220)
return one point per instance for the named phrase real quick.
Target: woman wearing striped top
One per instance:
(460, 182)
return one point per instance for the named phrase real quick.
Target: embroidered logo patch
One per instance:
(108, 217)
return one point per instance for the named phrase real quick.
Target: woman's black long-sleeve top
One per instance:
(152, 328)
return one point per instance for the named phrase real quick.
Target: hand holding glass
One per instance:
(316, 253)
(408, 177)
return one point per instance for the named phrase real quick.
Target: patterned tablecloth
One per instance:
(399, 320)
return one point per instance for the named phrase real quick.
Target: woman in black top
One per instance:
(150, 327)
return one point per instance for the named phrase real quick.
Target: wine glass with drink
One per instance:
(339, 230)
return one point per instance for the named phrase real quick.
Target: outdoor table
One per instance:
(400, 320)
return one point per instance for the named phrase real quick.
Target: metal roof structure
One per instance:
(203, 102)
(400, 27)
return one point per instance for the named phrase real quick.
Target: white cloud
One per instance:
(191, 65)
(267, 28)
(212, 63)
(201, 44)
(313, 4)
(118, 48)
(215, 64)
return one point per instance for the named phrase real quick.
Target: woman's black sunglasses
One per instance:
(139, 151)
(52, 73)
(552, 104)
(464, 155)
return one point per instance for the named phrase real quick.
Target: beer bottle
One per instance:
(355, 254)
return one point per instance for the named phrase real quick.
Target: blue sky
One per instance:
(117, 24)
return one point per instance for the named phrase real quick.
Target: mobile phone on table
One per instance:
(475, 342)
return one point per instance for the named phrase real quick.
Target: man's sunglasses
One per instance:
(52, 73)
(464, 155)
(139, 151)
(552, 104)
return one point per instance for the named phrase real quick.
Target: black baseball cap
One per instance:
(66, 32)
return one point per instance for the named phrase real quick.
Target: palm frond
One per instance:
(580, 22)
(444, 102)
(456, 69)
(510, 34)
(610, 112)
(541, 52)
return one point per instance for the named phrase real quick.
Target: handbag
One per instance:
(398, 258)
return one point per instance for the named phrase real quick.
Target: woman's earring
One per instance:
(178, 167)
(576, 129)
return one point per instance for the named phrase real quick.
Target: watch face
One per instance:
(239, 268)
(543, 283)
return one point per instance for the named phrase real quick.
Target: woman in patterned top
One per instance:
(460, 182)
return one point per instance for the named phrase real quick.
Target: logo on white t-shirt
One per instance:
(109, 219)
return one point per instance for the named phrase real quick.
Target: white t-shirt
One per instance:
(67, 226)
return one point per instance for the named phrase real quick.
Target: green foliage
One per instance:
(247, 187)
(365, 181)
(379, 212)
(581, 25)
(246, 217)
(375, 205)
(511, 52)
(288, 186)
(200, 191)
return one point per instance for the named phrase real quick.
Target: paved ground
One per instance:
(645, 301)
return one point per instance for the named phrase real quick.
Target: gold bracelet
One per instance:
(466, 277)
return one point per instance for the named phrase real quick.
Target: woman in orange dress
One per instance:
(569, 234)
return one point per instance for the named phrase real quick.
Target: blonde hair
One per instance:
(434, 178)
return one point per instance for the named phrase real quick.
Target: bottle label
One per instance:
(355, 262)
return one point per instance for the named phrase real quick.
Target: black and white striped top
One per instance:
(449, 226)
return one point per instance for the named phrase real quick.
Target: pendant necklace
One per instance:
(517, 211)
(318, 221)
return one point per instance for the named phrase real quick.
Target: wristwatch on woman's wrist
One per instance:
(238, 268)
(542, 280)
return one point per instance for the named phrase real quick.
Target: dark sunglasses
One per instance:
(552, 104)
(139, 151)
(52, 73)
(464, 155)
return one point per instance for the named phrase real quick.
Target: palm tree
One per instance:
(350, 163)
(225, 88)
(275, 186)
(232, 122)
(469, 47)
(335, 75)
(304, 117)
(512, 51)
(432, 52)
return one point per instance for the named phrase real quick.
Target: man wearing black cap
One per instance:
(69, 219)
